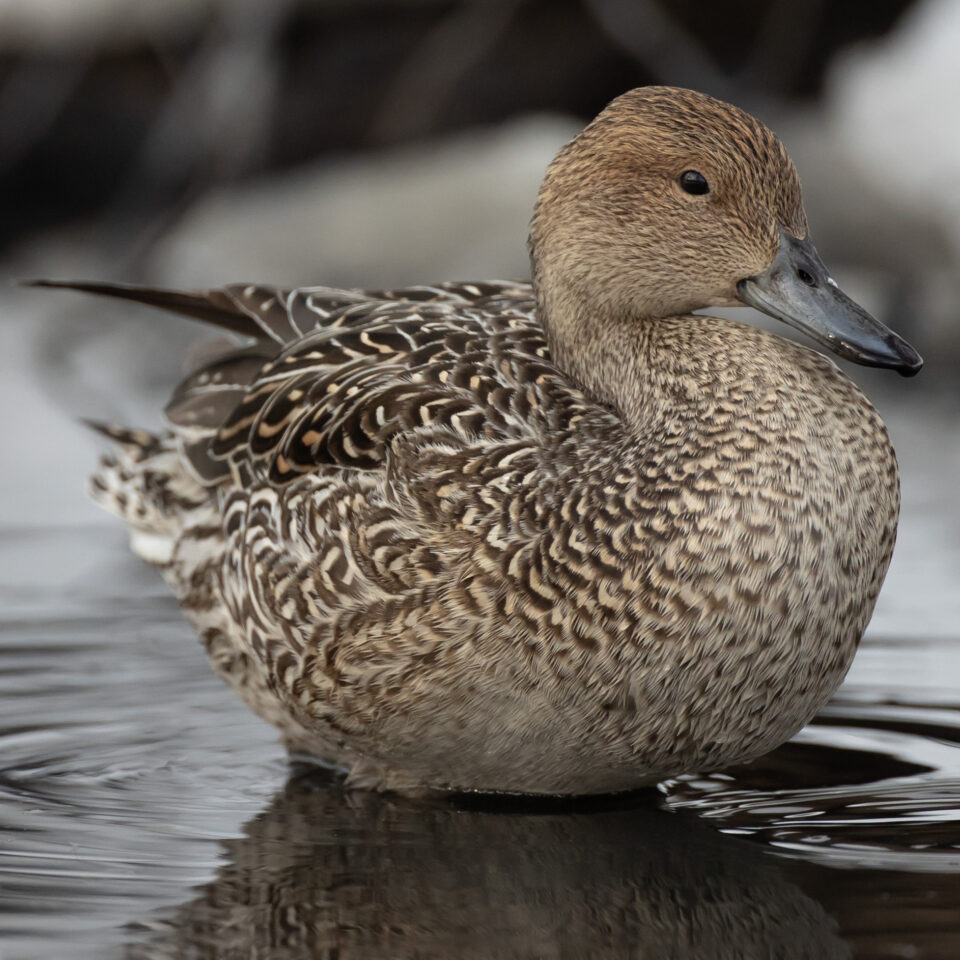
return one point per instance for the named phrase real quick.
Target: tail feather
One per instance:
(223, 308)
(143, 482)
(137, 444)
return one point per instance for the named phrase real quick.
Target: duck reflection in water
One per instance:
(331, 873)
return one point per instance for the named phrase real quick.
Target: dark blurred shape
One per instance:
(324, 873)
(137, 129)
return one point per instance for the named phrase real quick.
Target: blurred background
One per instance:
(378, 142)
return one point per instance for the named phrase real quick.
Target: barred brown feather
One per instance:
(548, 538)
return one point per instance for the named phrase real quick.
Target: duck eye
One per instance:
(694, 182)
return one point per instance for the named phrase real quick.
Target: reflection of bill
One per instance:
(325, 873)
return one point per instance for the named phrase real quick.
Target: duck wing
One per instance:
(333, 376)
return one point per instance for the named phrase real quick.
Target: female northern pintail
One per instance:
(560, 537)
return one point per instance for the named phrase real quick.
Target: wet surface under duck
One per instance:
(148, 814)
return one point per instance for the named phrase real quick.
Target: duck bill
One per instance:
(797, 289)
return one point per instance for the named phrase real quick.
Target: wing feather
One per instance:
(334, 376)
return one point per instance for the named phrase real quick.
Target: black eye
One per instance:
(694, 182)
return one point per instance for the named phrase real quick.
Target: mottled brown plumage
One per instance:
(559, 538)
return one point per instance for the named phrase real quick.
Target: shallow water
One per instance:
(148, 814)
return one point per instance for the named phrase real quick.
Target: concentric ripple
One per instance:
(869, 783)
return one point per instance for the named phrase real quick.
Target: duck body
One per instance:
(436, 546)
(501, 586)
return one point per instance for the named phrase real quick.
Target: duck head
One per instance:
(670, 201)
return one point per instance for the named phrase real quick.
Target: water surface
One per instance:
(148, 814)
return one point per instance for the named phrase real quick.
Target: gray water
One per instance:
(146, 813)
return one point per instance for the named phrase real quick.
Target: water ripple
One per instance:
(146, 813)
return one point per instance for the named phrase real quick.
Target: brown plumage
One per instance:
(559, 538)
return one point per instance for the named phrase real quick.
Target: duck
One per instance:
(566, 536)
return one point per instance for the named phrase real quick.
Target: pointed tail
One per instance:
(222, 308)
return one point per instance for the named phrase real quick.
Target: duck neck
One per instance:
(605, 350)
